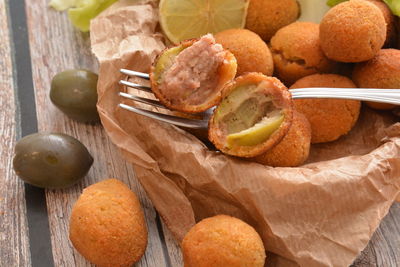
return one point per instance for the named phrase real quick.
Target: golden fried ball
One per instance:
(221, 241)
(352, 31)
(251, 52)
(265, 17)
(329, 118)
(107, 225)
(383, 71)
(297, 52)
(390, 22)
(294, 148)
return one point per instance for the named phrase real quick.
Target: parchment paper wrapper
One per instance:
(320, 214)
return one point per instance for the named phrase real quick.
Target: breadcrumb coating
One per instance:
(329, 118)
(297, 52)
(223, 241)
(251, 52)
(107, 225)
(352, 31)
(266, 17)
(383, 71)
(391, 31)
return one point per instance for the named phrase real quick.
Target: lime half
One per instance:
(186, 19)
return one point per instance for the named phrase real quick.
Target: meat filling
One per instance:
(194, 74)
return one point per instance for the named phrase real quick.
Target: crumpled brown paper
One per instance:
(320, 214)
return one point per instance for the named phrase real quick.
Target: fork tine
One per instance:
(183, 122)
(147, 101)
(135, 73)
(391, 96)
(136, 86)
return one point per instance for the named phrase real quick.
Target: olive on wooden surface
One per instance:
(74, 92)
(51, 160)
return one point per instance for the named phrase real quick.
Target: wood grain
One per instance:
(14, 243)
(384, 247)
(56, 46)
(174, 250)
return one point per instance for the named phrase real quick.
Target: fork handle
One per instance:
(390, 96)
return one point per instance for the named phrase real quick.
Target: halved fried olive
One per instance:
(189, 77)
(254, 115)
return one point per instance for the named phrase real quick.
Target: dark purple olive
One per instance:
(51, 160)
(74, 92)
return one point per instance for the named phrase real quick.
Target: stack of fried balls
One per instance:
(355, 45)
(255, 118)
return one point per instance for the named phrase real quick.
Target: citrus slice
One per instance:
(85, 11)
(186, 19)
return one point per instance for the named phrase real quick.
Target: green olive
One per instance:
(250, 117)
(165, 61)
(51, 160)
(74, 92)
(257, 133)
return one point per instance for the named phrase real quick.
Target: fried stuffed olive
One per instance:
(383, 71)
(253, 116)
(189, 77)
(391, 31)
(297, 52)
(266, 17)
(251, 52)
(223, 240)
(329, 118)
(51, 160)
(352, 31)
(107, 225)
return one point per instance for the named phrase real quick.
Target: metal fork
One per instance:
(391, 96)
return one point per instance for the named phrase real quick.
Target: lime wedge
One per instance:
(257, 134)
(61, 5)
(86, 10)
(186, 19)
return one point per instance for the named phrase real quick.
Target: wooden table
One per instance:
(38, 42)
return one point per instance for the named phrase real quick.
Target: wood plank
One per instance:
(14, 243)
(56, 46)
(174, 250)
(384, 247)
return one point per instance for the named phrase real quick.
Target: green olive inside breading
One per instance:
(254, 115)
(250, 117)
(165, 61)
